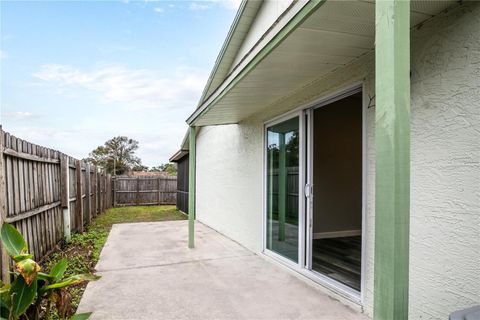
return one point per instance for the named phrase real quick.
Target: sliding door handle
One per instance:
(308, 190)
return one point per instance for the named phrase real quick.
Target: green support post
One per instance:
(282, 187)
(392, 143)
(191, 187)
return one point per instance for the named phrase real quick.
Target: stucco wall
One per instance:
(445, 170)
(229, 181)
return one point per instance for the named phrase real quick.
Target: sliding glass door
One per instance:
(314, 191)
(283, 164)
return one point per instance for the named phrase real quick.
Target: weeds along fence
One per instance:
(134, 191)
(47, 195)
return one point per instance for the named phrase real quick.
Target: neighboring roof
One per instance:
(147, 174)
(186, 141)
(178, 155)
(238, 31)
(184, 147)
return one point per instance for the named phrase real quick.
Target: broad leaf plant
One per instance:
(31, 288)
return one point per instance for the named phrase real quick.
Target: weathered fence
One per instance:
(132, 191)
(291, 191)
(46, 194)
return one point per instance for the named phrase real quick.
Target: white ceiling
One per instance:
(336, 34)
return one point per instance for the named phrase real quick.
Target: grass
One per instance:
(83, 251)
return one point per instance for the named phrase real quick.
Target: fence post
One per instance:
(102, 190)
(105, 191)
(5, 259)
(158, 194)
(95, 192)
(114, 182)
(65, 195)
(88, 192)
(99, 193)
(79, 206)
(109, 189)
(137, 198)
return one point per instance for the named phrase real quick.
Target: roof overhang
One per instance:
(309, 41)
(184, 148)
(178, 155)
(246, 13)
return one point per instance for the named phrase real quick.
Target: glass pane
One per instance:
(282, 188)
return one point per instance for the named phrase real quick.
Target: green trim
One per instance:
(191, 187)
(392, 145)
(303, 14)
(226, 44)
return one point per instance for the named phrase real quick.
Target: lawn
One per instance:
(83, 251)
(136, 214)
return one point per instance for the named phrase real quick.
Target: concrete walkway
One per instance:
(149, 273)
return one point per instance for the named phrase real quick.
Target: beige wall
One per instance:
(445, 166)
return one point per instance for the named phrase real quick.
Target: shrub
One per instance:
(32, 288)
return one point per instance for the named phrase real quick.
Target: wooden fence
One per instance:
(131, 191)
(46, 194)
(291, 191)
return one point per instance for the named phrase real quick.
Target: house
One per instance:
(342, 139)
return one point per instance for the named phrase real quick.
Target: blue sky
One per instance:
(76, 73)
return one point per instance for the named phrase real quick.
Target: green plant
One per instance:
(32, 288)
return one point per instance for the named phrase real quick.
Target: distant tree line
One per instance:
(117, 157)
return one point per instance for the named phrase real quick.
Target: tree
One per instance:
(291, 150)
(117, 154)
(169, 168)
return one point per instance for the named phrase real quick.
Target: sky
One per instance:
(74, 74)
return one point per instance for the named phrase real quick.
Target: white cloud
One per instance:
(19, 115)
(154, 148)
(150, 106)
(232, 4)
(59, 139)
(198, 6)
(158, 10)
(229, 4)
(207, 4)
(136, 87)
(3, 55)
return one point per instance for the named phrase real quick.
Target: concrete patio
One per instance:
(149, 273)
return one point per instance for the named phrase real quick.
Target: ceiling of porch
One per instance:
(333, 36)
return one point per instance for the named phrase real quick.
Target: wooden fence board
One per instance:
(130, 191)
(32, 193)
(79, 196)
(4, 258)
